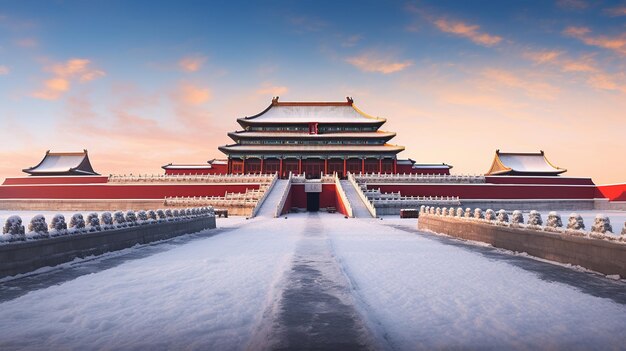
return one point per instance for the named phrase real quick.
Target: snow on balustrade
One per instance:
(14, 231)
(248, 199)
(417, 178)
(601, 228)
(192, 178)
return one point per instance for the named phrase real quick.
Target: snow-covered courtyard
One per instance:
(312, 280)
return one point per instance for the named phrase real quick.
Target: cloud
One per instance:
(27, 42)
(192, 94)
(64, 73)
(268, 88)
(575, 5)
(52, 89)
(4, 70)
(192, 63)
(616, 11)
(616, 44)
(605, 81)
(373, 62)
(532, 88)
(541, 57)
(584, 64)
(467, 31)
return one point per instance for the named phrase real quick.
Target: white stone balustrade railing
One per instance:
(192, 178)
(16, 231)
(418, 178)
(601, 228)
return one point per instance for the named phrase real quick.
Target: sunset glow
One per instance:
(141, 84)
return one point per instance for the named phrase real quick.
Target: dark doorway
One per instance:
(312, 202)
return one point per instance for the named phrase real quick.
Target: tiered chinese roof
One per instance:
(311, 128)
(62, 163)
(523, 164)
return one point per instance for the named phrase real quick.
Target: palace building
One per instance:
(311, 138)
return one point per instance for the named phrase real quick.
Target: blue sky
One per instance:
(144, 83)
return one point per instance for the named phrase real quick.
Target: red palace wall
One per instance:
(56, 180)
(491, 191)
(614, 192)
(119, 191)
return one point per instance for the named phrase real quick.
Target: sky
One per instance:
(141, 84)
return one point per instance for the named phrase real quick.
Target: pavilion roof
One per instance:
(311, 112)
(63, 163)
(516, 163)
(264, 135)
(287, 148)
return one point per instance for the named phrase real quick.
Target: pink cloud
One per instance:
(532, 87)
(374, 62)
(616, 44)
(192, 63)
(72, 70)
(52, 89)
(603, 81)
(467, 31)
(545, 56)
(4, 70)
(193, 95)
(268, 88)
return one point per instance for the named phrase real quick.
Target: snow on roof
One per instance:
(296, 148)
(523, 163)
(432, 166)
(303, 112)
(63, 163)
(377, 134)
(218, 162)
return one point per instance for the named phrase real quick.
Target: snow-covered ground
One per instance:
(261, 279)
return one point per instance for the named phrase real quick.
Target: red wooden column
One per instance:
(395, 165)
(344, 168)
(243, 166)
(363, 165)
(280, 168)
(262, 159)
(380, 165)
(229, 168)
(300, 166)
(325, 166)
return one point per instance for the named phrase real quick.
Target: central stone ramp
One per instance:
(358, 207)
(268, 208)
(316, 309)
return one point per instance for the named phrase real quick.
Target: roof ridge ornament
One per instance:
(275, 100)
(350, 100)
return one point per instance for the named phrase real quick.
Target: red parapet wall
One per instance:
(490, 191)
(613, 192)
(56, 180)
(119, 191)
